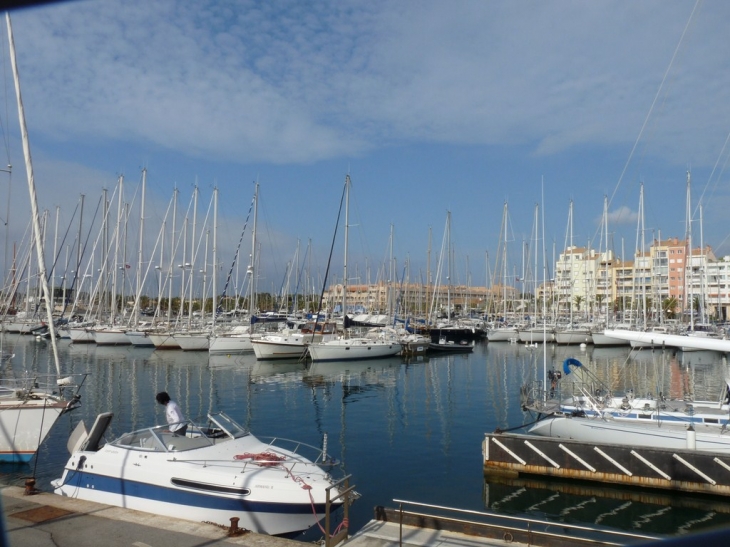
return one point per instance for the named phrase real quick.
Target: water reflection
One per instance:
(638, 510)
(409, 429)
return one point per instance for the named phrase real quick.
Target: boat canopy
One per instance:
(570, 361)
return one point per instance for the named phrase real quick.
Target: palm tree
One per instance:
(669, 305)
(578, 300)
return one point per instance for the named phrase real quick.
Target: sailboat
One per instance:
(503, 332)
(238, 339)
(572, 333)
(349, 349)
(29, 407)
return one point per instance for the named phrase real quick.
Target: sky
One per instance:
(432, 108)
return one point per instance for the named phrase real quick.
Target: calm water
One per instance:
(404, 429)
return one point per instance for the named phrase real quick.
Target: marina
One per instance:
(403, 427)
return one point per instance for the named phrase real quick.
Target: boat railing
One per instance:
(536, 398)
(347, 495)
(42, 386)
(308, 452)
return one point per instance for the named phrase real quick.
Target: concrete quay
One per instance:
(48, 520)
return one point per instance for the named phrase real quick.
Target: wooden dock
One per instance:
(676, 470)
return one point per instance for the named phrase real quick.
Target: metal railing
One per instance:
(507, 527)
(348, 495)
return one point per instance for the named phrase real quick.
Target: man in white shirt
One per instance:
(174, 415)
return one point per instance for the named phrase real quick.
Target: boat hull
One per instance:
(353, 349)
(81, 335)
(502, 334)
(193, 342)
(111, 337)
(270, 490)
(280, 347)
(573, 337)
(229, 345)
(596, 430)
(600, 339)
(264, 517)
(24, 425)
(536, 335)
(140, 339)
(163, 340)
(449, 347)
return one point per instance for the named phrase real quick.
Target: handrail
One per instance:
(534, 529)
(348, 495)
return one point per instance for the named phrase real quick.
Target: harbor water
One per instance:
(406, 429)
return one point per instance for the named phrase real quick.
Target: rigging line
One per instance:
(235, 256)
(78, 264)
(714, 168)
(329, 263)
(6, 140)
(656, 97)
(52, 271)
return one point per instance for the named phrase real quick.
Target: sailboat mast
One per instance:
(609, 307)
(448, 265)
(504, 263)
(215, 256)
(347, 237)
(172, 259)
(33, 197)
(254, 257)
(140, 255)
(193, 257)
(688, 281)
(53, 268)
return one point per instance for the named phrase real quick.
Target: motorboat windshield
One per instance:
(225, 423)
(219, 428)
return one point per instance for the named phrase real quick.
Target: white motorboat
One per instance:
(211, 474)
(599, 430)
(29, 408)
(414, 344)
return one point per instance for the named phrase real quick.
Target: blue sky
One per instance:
(429, 106)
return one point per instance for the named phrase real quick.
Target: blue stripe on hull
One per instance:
(113, 485)
(16, 457)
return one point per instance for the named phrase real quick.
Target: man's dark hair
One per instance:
(162, 397)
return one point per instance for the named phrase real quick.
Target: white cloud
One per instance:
(249, 81)
(622, 216)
